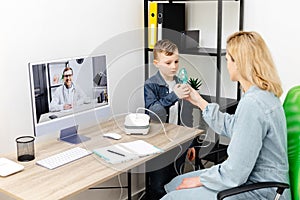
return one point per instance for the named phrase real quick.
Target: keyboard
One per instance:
(63, 158)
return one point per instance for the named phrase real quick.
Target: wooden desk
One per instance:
(36, 182)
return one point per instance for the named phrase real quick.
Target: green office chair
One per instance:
(291, 107)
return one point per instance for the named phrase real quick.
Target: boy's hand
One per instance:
(181, 90)
(191, 154)
(195, 98)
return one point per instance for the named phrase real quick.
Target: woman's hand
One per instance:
(181, 90)
(191, 154)
(195, 98)
(190, 183)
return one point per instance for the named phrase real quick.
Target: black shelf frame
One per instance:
(226, 104)
(204, 51)
(217, 52)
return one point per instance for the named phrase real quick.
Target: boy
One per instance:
(163, 95)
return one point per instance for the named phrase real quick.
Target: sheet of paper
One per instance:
(141, 148)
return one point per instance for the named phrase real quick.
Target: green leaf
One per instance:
(195, 83)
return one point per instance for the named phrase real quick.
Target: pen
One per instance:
(116, 153)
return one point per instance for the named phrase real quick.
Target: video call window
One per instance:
(83, 88)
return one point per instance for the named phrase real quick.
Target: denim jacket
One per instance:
(159, 100)
(258, 148)
(257, 151)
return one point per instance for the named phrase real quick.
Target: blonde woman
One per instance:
(258, 148)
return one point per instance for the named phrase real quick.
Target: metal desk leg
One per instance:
(129, 184)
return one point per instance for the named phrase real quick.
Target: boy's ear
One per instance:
(155, 62)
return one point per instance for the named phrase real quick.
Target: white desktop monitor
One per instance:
(90, 80)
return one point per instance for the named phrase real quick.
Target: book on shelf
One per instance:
(126, 151)
(170, 21)
(152, 29)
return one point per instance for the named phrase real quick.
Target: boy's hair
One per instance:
(254, 61)
(164, 46)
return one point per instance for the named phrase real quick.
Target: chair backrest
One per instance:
(291, 107)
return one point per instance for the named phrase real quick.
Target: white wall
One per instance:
(278, 23)
(34, 31)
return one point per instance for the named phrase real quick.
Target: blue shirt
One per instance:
(258, 148)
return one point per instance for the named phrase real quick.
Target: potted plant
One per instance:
(195, 83)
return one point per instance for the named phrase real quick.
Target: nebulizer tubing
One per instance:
(165, 132)
(183, 78)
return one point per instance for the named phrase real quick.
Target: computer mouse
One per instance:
(114, 136)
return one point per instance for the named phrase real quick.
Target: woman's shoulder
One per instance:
(258, 99)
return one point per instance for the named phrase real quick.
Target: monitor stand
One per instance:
(70, 135)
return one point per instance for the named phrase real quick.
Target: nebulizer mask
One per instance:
(183, 76)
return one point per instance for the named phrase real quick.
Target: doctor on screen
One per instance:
(66, 95)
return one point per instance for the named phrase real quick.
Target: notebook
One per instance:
(127, 151)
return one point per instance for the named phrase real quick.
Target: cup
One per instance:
(25, 148)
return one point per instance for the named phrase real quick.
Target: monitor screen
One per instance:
(68, 92)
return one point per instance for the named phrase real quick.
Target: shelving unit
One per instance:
(226, 104)
(217, 52)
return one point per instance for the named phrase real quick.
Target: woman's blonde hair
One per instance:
(254, 61)
(164, 46)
